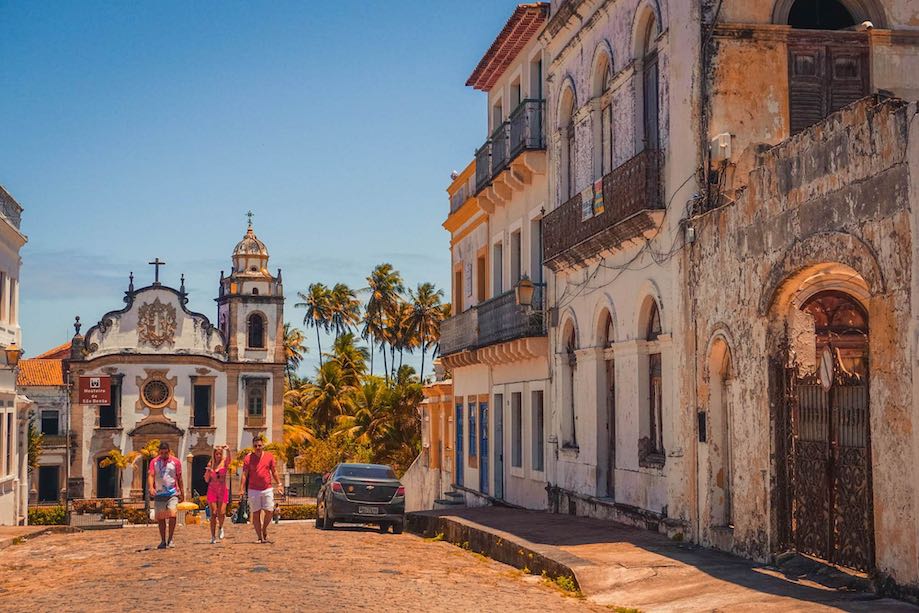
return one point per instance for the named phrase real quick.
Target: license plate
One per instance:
(368, 510)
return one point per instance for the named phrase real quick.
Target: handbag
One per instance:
(242, 511)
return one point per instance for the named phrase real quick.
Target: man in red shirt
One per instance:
(259, 470)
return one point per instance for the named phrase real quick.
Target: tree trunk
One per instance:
(424, 348)
(385, 364)
(319, 344)
(372, 351)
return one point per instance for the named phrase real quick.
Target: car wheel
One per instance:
(327, 522)
(397, 527)
(320, 521)
(384, 528)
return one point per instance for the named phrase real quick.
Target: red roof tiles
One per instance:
(60, 352)
(40, 372)
(519, 29)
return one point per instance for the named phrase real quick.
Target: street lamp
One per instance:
(524, 291)
(13, 353)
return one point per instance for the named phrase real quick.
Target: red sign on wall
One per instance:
(95, 390)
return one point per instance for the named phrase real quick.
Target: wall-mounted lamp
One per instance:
(13, 353)
(524, 291)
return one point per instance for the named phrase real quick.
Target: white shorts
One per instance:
(261, 500)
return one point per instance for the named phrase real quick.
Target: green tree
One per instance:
(121, 461)
(370, 416)
(318, 304)
(384, 286)
(427, 314)
(350, 358)
(324, 400)
(294, 350)
(345, 309)
(36, 442)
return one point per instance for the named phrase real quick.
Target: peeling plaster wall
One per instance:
(620, 281)
(837, 192)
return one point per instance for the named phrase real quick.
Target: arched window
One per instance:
(649, 84)
(820, 15)
(608, 333)
(569, 145)
(256, 331)
(651, 447)
(603, 132)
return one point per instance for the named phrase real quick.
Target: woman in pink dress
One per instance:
(217, 492)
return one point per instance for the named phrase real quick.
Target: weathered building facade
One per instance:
(623, 168)
(495, 347)
(730, 273)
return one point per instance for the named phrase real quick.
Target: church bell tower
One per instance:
(250, 306)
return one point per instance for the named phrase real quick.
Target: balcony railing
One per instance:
(483, 166)
(526, 129)
(501, 319)
(572, 235)
(491, 322)
(465, 191)
(459, 332)
(521, 132)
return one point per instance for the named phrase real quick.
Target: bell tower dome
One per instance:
(250, 306)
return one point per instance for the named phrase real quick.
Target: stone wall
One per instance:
(829, 207)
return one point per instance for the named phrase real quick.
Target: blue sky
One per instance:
(142, 130)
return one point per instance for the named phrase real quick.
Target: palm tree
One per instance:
(350, 358)
(384, 285)
(120, 461)
(317, 302)
(345, 309)
(326, 399)
(399, 333)
(371, 416)
(427, 313)
(294, 349)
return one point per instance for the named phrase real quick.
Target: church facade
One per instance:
(175, 376)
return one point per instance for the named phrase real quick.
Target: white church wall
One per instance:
(120, 332)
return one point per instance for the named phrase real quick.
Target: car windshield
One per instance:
(367, 472)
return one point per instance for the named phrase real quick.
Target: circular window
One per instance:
(156, 393)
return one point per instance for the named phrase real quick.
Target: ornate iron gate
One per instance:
(829, 466)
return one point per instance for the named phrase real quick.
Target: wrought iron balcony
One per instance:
(494, 321)
(483, 166)
(522, 131)
(526, 127)
(572, 234)
(501, 319)
(459, 332)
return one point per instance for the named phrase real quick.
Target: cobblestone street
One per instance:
(348, 569)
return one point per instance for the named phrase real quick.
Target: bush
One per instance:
(322, 455)
(298, 511)
(47, 516)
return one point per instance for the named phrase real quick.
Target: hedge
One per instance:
(47, 516)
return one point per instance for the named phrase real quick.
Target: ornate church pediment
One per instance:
(156, 427)
(155, 321)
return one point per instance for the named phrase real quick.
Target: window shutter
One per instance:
(650, 95)
(848, 75)
(806, 86)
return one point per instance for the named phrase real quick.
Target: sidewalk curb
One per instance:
(496, 544)
(15, 540)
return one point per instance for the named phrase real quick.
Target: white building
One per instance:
(497, 350)
(176, 377)
(14, 486)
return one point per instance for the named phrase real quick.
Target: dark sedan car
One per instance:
(362, 494)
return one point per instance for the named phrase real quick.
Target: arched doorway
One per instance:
(198, 464)
(106, 480)
(829, 455)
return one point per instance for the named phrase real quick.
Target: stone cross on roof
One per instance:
(157, 263)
